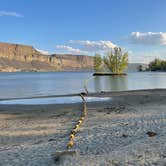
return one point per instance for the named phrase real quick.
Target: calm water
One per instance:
(54, 83)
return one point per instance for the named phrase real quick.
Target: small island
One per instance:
(113, 63)
(108, 74)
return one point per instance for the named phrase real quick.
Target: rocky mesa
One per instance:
(16, 57)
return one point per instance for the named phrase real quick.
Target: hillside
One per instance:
(16, 57)
(134, 66)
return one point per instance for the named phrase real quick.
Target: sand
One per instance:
(126, 130)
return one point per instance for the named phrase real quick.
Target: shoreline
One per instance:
(114, 132)
(97, 94)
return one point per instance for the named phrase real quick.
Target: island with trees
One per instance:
(115, 62)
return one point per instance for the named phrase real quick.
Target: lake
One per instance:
(27, 84)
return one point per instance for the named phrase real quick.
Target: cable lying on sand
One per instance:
(73, 133)
(76, 129)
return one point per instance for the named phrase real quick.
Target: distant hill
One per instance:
(134, 66)
(16, 57)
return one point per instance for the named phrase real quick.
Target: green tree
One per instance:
(157, 65)
(163, 65)
(140, 68)
(116, 61)
(97, 62)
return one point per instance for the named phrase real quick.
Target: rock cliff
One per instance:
(16, 57)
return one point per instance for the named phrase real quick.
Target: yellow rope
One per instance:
(70, 144)
(77, 126)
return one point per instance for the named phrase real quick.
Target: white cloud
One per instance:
(146, 56)
(141, 59)
(70, 49)
(94, 46)
(86, 47)
(9, 13)
(148, 38)
(42, 51)
(130, 52)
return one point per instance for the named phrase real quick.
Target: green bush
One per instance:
(157, 65)
(116, 61)
(97, 63)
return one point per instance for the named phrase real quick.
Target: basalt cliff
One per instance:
(16, 57)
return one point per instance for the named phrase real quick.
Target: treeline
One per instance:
(157, 65)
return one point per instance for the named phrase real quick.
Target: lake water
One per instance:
(55, 83)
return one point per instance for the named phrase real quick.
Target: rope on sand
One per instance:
(77, 126)
(76, 129)
(73, 132)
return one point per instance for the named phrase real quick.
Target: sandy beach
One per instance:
(129, 129)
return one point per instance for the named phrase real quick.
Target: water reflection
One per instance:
(97, 83)
(17, 85)
(107, 83)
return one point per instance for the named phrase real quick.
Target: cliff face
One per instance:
(14, 57)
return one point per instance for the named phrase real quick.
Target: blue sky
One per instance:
(87, 26)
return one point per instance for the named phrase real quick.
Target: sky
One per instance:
(87, 26)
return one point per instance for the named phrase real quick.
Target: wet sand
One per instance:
(129, 129)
